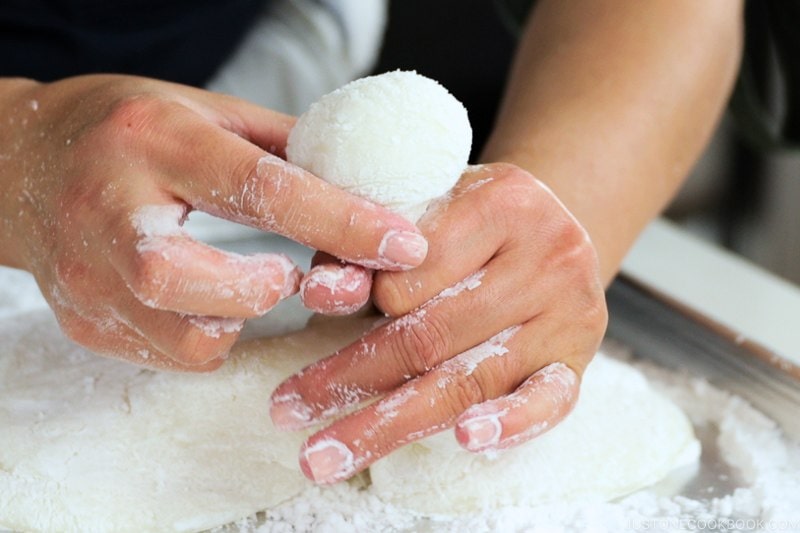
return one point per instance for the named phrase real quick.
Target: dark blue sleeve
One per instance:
(767, 115)
(184, 41)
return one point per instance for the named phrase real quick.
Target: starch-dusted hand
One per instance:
(98, 174)
(490, 334)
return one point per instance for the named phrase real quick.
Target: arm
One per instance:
(611, 103)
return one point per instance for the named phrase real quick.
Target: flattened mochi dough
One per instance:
(622, 436)
(93, 444)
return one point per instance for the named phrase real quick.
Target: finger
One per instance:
(463, 234)
(431, 402)
(112, 338)
(412, 345)
(335, 288)
(186, 339)
(263, 127)
(237, 180)
(537, 406)
(477, 220)
(169, 270)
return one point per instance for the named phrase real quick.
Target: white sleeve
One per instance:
(301, 49)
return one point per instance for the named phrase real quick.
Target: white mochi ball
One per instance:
(399, 139)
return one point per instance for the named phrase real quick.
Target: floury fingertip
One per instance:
(327, 461)
(403, 249)
(480, 432)
(290, 414)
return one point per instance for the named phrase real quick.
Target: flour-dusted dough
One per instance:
(93, 444)
(398, 138)
(622, 436)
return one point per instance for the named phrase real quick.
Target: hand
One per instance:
(100, 172)
(490, 334)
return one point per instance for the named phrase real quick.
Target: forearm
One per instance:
(610, 103)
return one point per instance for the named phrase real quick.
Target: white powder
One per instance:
(334, 280)
(467, 362)
(18, 293)
(760, 491)
(765, 497)
(215, 326)
(470, 283)
(158, 220)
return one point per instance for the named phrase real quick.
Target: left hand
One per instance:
(491, 334)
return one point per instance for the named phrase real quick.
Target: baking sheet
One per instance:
(679, 339)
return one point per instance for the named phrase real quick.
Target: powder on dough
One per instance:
(399, 139)
(94, 444)
(622, 436)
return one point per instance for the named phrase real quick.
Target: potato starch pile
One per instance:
(763, 486)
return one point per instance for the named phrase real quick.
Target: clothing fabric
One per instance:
(766, 101)
(184, 41)
(281, 54)
(302, 49)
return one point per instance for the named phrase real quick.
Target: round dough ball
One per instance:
(398, 139)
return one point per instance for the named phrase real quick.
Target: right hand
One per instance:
(99, 172)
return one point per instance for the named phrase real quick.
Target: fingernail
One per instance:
(290, 414)
(483, 432)
(291, 276)
(403, 248)
(327, 461)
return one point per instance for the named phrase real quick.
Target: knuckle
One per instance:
(248, 183)
(128, 122)
(422, 345)
(596, 313)
(266, 187)
(76, 329)
(464, 392)
(147, 280)
(135, 114)
(579, 263)
(515, 194)
(193, 346)
(72, 286)
(69, 272)
(502, 170)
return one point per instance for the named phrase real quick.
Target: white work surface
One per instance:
(755, 305)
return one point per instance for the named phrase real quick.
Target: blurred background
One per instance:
(737, 197)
